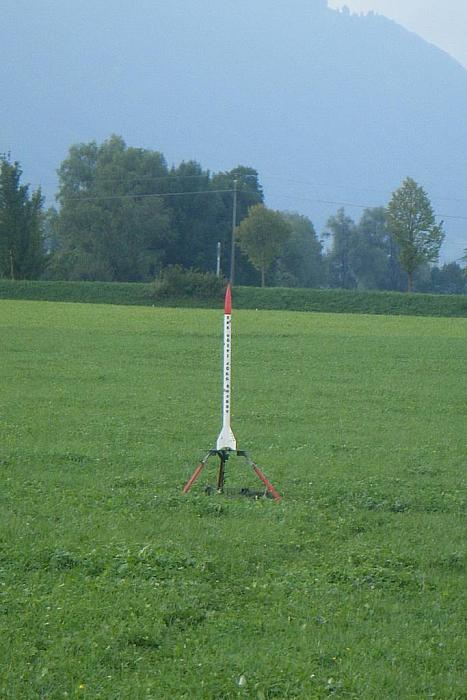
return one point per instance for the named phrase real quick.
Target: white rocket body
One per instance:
(226, 439)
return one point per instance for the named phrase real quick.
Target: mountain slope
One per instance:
(327, 106)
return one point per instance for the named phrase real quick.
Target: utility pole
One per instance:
(234, 226)
(218, 266)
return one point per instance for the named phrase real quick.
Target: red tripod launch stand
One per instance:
(224, 455)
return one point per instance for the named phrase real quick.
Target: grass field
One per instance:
(114, 585)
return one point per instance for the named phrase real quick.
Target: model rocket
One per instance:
(226, 439)
(226, 442)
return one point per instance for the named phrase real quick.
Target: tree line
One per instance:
(124, 215)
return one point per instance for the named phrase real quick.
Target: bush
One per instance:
(175, 283)
(130, 293)
(347, 301)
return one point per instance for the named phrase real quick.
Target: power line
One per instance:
(451, 216)
(350, 187)
(314, 200)
(352, 204)
(208, 176)
(293, 181)
(140, 196)
(153, 178)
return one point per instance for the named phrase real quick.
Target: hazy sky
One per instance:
(441, 22)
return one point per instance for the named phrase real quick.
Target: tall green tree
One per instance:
(341, 228)
(450, 278)
(22, 250)
(124, 214)
(374, 253)
(413, 225)
(301, 262)
(113, 222)
(195, 215)
(262, 236)
(249, 193)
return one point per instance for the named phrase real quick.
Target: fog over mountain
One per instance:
(329, 107)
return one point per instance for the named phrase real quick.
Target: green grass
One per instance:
(114, 585)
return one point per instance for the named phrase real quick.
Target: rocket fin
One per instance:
(226, 440)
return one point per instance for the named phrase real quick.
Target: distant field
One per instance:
(113, 585)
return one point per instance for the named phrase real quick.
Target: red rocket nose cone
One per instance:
(228, 301)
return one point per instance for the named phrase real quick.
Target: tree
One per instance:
(413, 225)
(249, 193)
(301, 262)
(194, 216)
(124, 215)
(113, 223)
(449, 279)
(342, 230)
(262, 236)
(374, 253)
(22, 251)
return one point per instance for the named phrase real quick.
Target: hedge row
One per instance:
(326, 300)
(351, 302)
(83, 292)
